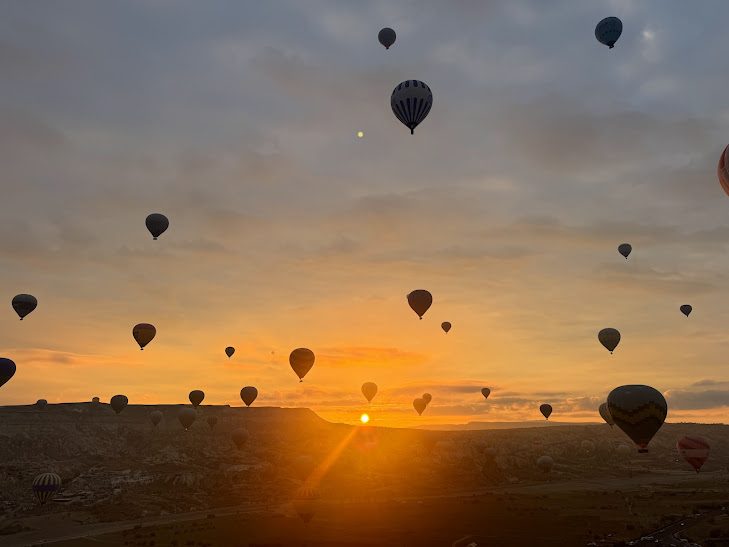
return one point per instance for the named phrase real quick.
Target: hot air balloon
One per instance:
(411, 101)
(608, 31)
(446, 326)
(45, 486)
(427, 397)
(386, 37)
(23, 304)
(420, 300)
(248, 394)
(686, 309)
(212, 421)
(7, 370)
(625, 249)
(155, 417)
(306, 502)
(639, 411)
(485, 392)
(722, 171)
(546, 410)
(95, 400)
(118, 403)
(695, 450)
(587, 446)
(301, 360)
(605, 414)
(610, 338)
(196, 397)
(41, 404)
(369, 390)
(419, 405)
(240, 437)
(229, 351)
(545, 463)
(187, 416)
(157, 223)
(143, 333)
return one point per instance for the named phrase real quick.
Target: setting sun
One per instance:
(364, 418)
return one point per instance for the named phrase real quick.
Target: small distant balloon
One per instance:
(248, 394)
(23, 304)
(369, 390)
(420, 301)
(95, 400)
(605, 414)
(157, 224)
(446, 326)
(410, 102)
(545, 463)
(427, 397)
(610, 338)
(143, 333)
(301, 360)
(41, 403)
(118, 403)
(546, 410)
(625, 249)
(485, 392)
(240, 438)
(7, 370)
(196, 397)
(45, 486)
(419, 405)
(686, 309)
(608, 31)
(387, 37)
(186, 416)
(693, 449)
(212, 421)
(155, 417)
(229, 351)
(306, 502)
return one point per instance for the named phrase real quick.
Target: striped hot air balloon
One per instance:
(639, 411)
(45, 486)
(306, 502)
(695, 450)
(411, 101)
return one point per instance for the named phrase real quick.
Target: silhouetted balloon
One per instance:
(419, 405)
(306, 503)
(411, 101)
(196, 397)
(545, 463)
(212, 421)
(639, 411)
(686, 309)
(248, 394)
(386, 37)
(240, 437)
(546, 410)
(605, 413)
(118, 403)
(187, 416)
(723, 170)
(369, 390)
(95, 400)
(610, 338)
(41, 403)
(45, 486)
(693, 449)
(427, 397)
(23, 304)
(485, 392)
(157, 223)
(301, 360)
(229, 351)
(7, 370)
(155, 417)
(143, 333)
(608, 31)
(625, 249)
(419, 301)
(446, 326)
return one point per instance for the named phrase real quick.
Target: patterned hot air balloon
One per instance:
(546, 410)
(411, 101)
(248, 394)
(608, 31)
(301, 360)
(639, 411)
(45, 486)
(695, 450)
(212, 421)
(23, 304)
(306, 502)
(419, 301)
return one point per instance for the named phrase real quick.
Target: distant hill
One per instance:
(477, 426)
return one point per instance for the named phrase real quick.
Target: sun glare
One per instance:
(364, 418)
(360, 134)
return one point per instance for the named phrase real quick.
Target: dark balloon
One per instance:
(45, 486)
(610, 338)
(157, 224)
(306, 503)
(427, 397)
(212, 421)
(608, 31)
(722, 170)
(187, 417)
(485, 392)
(546, 410)
(605, 414)
(7, 370)
(196, 397)
(420, 300)
(118, 403)
(23, 304)
(419, 405)
(446, 326)
(386, 37)
(695, 450)
(155, 417)
(229, 351)
(369, 390)
(41, 403)
(301, 360)
(639, 411)
(545, 463)
(625, 249)
(411, 101)
(248, 394)
(686, 309)
(240, 438)
(143, 333)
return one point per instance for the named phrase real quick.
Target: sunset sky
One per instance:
(543, 151)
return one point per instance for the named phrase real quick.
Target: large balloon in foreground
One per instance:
(240, 437)
(45, 486)
(386, 37)
(157, 223)
(196, 397)
(248, 394)
(301, 360)
(625, 249)
(187, 416)
(610, 338)
(427, 397)
(545, 463)
(446, 326)
(369, 390)
(7, 370)
(608, 31)
(485, 392)
(419, 301)
(155, 417)
(723, 170)
(23, 304)
(605, 414)
(686, 309)
(419, 405)
(212, 421)
(546, 410)
(118, 403)
(695, 450)
(143, 333)
(639, 411)
(411, 101)
(229, 351)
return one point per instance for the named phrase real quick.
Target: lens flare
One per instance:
(364, 418)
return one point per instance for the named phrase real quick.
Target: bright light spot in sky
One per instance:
(364, 418)
(648, 35)
(360, 134)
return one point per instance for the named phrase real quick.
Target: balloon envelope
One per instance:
(45, 486)
(427, 397)
(118, 403)
(485, 392)
(722, 170)
(143, 333)
(196, 397)
(248, 394)
(301, 360)
(386, 37)
(446, 326)
(369, 390)
(187, 416)
(155, 417)
(41, 403)
(610, 338)
(605, 414)
(693, 449)
(686, 309)
(229, 351)
(411, 101)
(639, 411)
(419, 405)
(306, 503)
(157, 223)
(625, 249)
(7, 370)
(212, 421)
(545, 463)
(608, 31)
(546, 410)
(23, 304)
(240, 437)
(419, 301)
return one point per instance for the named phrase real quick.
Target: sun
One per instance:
(364, 418)
(360, 134)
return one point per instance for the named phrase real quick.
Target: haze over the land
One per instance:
(543, 151)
